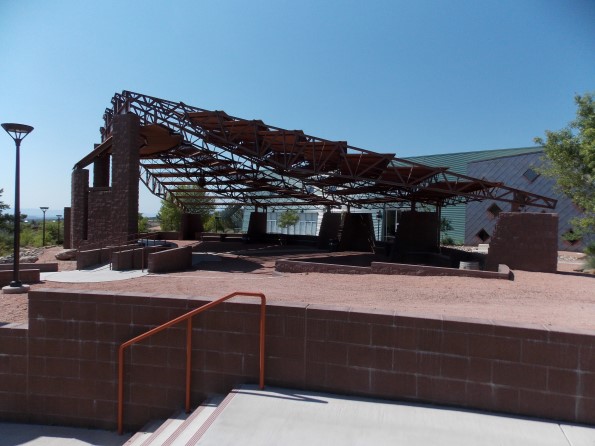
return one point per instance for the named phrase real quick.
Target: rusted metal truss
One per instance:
(191, 156)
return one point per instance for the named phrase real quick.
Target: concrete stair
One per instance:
(181, 429)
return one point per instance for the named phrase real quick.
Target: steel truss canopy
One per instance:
(190, 155)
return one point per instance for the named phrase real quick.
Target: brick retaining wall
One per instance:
(25, 276)
(63, 368)
(42, 267)
(176, 259)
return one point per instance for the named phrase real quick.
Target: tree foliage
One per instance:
(143, 223)
(570, 159)
(288, 218)
(170, 214)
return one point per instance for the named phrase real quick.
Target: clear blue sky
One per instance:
(406, 77)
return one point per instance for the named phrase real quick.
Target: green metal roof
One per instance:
(457, 162)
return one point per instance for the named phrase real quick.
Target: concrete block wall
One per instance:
(65, 363)
(13, 372)
(25, 276)
(417, 231)
(176, 259)
(525, 241)
(99, 206)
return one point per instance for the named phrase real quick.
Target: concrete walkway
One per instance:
(100, 274)
(12, 434)
(251, 417)
(282, 417)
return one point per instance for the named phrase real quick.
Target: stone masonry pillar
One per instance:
(125, 176)
(67, 244)
(79, 207)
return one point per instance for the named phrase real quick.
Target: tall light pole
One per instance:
(18, 133)
(59, 217)
(44, 209)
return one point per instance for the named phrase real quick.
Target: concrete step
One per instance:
(180, 429)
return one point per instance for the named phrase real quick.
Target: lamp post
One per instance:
(18, 133)
(59, 217)
(44, 209)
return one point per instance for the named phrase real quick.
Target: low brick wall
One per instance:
(297, 266)
(42, 267)
(165, 235)
(421, 270)
(63, 368)
(176, 259)
(137, 258)
(92, 257)
(25, 276)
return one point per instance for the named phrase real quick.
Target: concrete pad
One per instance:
(101, 274)
(33, 434)
(278, 416)
(16, 289)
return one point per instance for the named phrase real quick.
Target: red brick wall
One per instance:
(73, 338)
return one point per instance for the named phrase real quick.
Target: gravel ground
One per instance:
(565, 300)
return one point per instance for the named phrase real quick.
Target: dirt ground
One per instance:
(565, 300)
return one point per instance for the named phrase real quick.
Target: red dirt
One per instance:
(565, 300)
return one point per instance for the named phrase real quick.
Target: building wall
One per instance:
(62, 369)
(511, 170)
(459, 162)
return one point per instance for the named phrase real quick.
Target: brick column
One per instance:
(67, 229)
(330, 227)
(125, 175)
(357, 233)
(79, 206)
(257, 227)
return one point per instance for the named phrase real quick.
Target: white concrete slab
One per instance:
(12, 434)
(277, 416)
(100, 274)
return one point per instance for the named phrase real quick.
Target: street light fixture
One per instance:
(44, 209)
(18, 133)
(59, 217)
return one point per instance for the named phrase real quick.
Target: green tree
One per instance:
(143, 223)
(170, 214)
(570, 159)
(288, 218)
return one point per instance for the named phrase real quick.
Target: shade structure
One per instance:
(189, 155)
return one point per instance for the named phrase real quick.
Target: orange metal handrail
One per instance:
(188, 318)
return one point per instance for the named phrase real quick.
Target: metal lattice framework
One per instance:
(191, 156)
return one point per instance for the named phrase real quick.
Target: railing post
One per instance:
(188, 361)
(120, 390)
